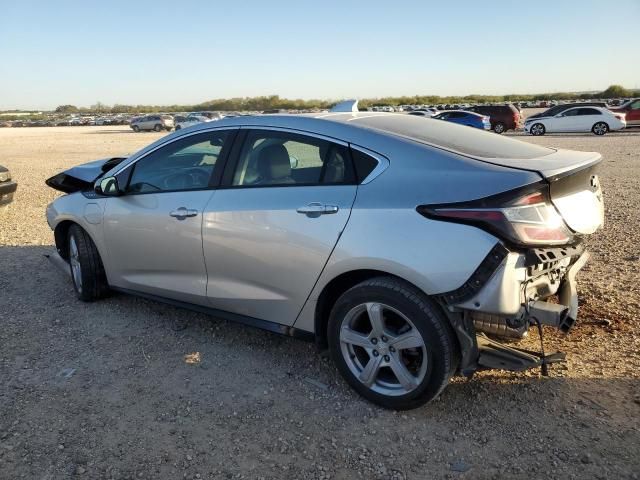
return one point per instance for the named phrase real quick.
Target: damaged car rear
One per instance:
(406, 247)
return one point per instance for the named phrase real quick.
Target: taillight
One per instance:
(620, 116)
(520, 218)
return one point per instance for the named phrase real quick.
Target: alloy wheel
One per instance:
(600, 128)
(74, 261)
(383, 349)
(537, 129)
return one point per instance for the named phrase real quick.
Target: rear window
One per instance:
(467, 141)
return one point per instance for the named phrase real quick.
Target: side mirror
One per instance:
(293, 161)
(559, 115)
(107, 186)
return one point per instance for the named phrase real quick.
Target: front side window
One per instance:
(635, 105)
(280, 159)
(185, 164)
(571, 113)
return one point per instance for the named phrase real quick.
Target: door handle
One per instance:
(316, 209)
(182, 213)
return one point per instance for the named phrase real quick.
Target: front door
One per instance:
(154, 231)
(269, 231)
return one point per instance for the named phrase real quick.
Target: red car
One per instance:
(631, 109)
(502, 117)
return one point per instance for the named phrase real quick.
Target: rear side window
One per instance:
(271, 158)
(588, 111)
(364, 164)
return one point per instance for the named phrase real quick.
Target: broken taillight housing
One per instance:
(523, 219)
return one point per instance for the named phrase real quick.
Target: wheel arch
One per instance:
(340, 284)
(61, 233)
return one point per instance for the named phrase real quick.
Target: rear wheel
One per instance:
(87, 271)
(391, 343)
(499, 127)
(136, 128)
(537, 129)
(157, 127)
(600, 128)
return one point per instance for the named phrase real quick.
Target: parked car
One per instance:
(153, 122)
(550, 112)
(577, 119)
(502, 117)
(7, 186)
(480, 230)
(192, 120)
(461, 117)
(424, 112)
(631, 111)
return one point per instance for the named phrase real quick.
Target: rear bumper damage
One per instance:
(509, 292)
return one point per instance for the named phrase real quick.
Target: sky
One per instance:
(185, 52)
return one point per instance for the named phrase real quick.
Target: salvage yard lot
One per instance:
(115, 389)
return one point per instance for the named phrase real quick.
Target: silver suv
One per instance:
(396, 242)
(153, 122)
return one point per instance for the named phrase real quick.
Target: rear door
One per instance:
(269, 230)
(587, 117)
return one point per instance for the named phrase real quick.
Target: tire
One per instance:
(87, 272)
(537, 129)
(136, 128)
(178, 127)
(499, 128)
(430, 355)
(600, 128)
(157, 127)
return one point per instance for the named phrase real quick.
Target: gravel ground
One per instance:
(128, 388)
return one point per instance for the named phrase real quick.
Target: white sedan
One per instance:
(192, 120)
(579, 119)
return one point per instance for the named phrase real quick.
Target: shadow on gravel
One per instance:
(111, 390)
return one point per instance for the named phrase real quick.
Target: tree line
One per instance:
(274, 102)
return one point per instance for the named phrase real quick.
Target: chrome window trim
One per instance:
(383, 163)
(296, 131)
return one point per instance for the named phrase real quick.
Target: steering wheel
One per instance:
(198, 177)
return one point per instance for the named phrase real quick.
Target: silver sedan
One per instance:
(395, 242)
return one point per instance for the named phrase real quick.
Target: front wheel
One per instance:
(136, 128)
(391, 343)
(600, 128)
(85, 264)
(537, 129)
(499, 127)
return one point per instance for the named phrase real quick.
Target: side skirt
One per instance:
(232, 317)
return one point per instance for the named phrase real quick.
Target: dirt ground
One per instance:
(127, 388)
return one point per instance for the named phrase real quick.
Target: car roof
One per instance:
(367, 128)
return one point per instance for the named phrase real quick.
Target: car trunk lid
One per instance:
(574, 186)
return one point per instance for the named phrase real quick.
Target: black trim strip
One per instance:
(479, 278)
(232, 317)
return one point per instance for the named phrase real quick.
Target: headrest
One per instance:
(274, 163)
